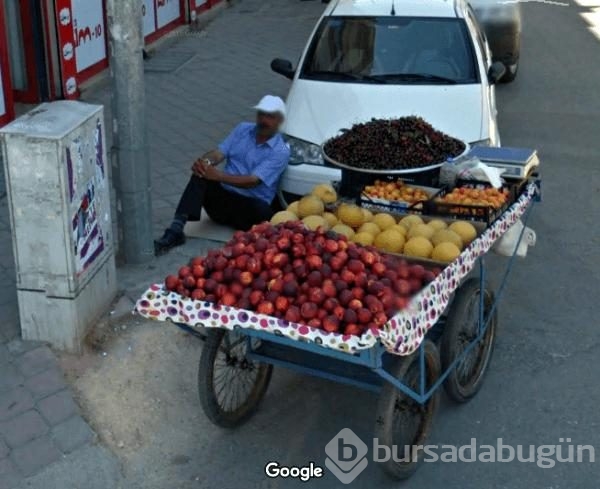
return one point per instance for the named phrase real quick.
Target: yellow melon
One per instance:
(283, 216)
(401, 229)
(310, 205)
(364, 239)
(447, 236)
(390, 241)
(325, 192)
(421, 230)
(445, 252)
(315, 222)
(343, 229)
(419, 247)
(351, 214)
(465, 230)
(293, 207)
(370, 227)
(384, 221)
(410, 220)
(437, 224)
(368, 214)
(330, 218)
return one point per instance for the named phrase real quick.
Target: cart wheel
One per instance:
(402, 422)
(460, 330)
(230, 386)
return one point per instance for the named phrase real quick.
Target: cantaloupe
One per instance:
(370, 227)
(315, 222)
(330, 218)
(437, 224)
(344, 230)
(351, 214)
(419, 247)
(283, 216)
(384, 221)
(390, 241)
(445, 252)
(410, 220)
(447, 236)
(421, 230)
(325, 192)
(364, 239)
(293, 207)
(310, 205)
(465, 230)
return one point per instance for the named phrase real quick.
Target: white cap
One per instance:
(271, 105)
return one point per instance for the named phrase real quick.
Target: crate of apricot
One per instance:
(393, 194)
(471, 200)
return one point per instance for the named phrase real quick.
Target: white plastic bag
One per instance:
(506, 245)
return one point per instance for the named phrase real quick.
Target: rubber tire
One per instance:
(449, 346)
(208, 398)
(385, 410)
(510, 76)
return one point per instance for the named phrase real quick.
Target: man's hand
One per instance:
(208, 172)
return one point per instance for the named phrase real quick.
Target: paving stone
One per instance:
(36, 455)
(5, 356)
(4, 450)
(23, 428)
(15, 402)
(57, 407)
(72, 434)
(10, 378)
(18, 346)
(36, 361)
(46, 383)
(9, 475)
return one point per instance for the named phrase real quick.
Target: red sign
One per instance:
(67, 45)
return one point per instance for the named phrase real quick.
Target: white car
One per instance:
(383, 59)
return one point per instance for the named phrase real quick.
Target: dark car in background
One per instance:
(501, 22)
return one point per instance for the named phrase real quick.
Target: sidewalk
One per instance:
(199, 85)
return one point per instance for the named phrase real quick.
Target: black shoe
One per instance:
(169, 240)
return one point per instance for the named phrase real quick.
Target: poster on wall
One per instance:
(149, 12)
(88, 32)
(167, 11)
(2, 103)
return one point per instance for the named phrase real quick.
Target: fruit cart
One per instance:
(445, 336)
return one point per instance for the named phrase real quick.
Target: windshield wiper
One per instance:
(343, 75)
(416, 77)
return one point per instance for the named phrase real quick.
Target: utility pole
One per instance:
(131, 165)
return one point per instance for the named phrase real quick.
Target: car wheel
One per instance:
(511, 72)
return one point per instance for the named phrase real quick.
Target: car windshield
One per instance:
(395, 50)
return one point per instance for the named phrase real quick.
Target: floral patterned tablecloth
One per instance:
(403, 333)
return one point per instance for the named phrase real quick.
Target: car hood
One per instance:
(318, 110)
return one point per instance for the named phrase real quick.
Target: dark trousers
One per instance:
(222, 206)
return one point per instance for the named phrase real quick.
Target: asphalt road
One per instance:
(543, 382)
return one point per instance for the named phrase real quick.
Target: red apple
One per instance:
(350, 316)
(329, 288)
(314, 262)
(256, 297)
(276, 284)
(196, 261)
(246, 278)
(293, 314)
(355, 304)
(403, 287)
(184, 272)
(338, 312)
(331, 245)
(309, 310)
(228, 299)
(210, 285)
(282, 303)
(198, 295)
(331, 324)
(265, 307)
(171, 283)
(352, 329)
(316, 295)
(253, 265)
(417, 271)
(378, 269)
(364, 315)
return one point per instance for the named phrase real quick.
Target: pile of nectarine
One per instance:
(316, 278)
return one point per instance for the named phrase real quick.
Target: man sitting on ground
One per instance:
(241, 194)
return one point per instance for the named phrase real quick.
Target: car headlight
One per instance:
(304, 152)
(482, 142)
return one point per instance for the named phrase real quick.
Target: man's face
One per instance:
(268, 124)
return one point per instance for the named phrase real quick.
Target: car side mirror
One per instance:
(283, 67)
(496, 72)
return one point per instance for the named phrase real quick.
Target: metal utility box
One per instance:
(56, 171)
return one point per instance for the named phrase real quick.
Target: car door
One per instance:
(488, 88)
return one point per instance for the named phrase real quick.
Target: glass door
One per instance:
(25, 49)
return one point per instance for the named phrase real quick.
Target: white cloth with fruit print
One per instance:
(401, 335)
